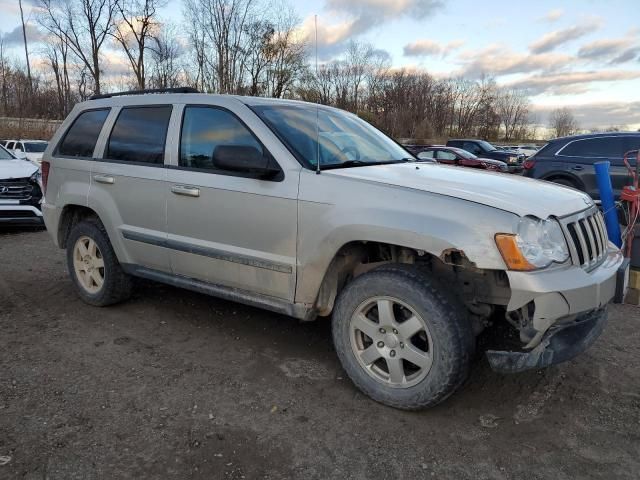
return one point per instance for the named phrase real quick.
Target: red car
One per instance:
(457, 156)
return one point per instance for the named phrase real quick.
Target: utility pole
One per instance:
(26, 50)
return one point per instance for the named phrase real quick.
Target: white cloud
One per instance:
(427, 47)
(383, 10)
(498, 59)
(551, 40)
(616, 50)
(14, 37)
(601, 114)
(571, 82)
(552, 15)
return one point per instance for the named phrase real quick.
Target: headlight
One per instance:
(537, 244)
(513, 159)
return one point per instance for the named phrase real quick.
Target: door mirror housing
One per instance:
(244, 159)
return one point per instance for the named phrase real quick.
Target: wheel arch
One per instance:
(70, 216)
(356, 257)
(550, 177)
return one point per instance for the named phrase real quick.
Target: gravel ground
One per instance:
(174, 384)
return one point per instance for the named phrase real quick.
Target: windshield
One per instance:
(486, 146)
(35, 147)
(338, 138)
(4, 154)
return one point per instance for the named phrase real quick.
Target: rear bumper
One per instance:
(20, 215)
(560, 343)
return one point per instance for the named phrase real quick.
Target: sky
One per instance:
(584, 54)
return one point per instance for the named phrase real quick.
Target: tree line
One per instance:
(247, 47)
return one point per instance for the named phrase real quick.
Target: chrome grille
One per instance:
(16, 189)
(587, 238)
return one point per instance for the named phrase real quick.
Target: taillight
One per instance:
(45, 176)
(529, 164)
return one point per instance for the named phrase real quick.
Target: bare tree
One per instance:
(166, 51)
(57, 56)
(286, 53)
(136, 23)
(221, 27)
(512, 106)
(562, 122)
(85, 25)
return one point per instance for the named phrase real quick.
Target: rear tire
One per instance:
(93, 266)
(415, 353)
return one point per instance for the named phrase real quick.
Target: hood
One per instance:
(512, 193)
(16, 169)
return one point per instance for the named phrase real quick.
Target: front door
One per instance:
(225, 227)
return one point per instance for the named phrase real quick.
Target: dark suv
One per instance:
(569, 160)
(484, 149)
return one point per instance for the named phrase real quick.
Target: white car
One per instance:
(20, 191)
(29, 149)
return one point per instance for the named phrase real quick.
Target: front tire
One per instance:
(401, 339)
(93, 266)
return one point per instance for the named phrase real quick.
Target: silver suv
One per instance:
(309, 211)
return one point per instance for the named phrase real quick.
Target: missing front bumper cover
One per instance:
(558, 345)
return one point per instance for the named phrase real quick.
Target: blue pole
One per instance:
(603, 179)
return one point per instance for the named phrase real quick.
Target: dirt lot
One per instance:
(174, 384)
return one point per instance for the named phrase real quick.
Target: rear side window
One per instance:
(444, 155)
(81, 138)
(205, 128)
(139, 135)
(602, 147)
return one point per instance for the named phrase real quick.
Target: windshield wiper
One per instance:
(363, 163)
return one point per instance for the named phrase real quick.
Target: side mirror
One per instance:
(240, 158)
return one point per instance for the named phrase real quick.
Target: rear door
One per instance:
(72, 159)
(581, 154)
(128, 184)
(226, 227)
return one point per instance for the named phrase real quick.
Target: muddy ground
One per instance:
(174, 384)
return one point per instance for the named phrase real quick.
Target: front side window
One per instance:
(204, 129)
(139, 135)
(444, 155)
(80, 140)
(333, 138)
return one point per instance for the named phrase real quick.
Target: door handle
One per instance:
(577, 167)
(185, 190)
(104, 179)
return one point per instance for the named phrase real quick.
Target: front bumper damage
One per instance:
(560, 343)
(569, 312)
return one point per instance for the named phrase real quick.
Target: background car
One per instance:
(484, 149)
(20, 191)
(569, 160)
(457, 156)
(29, 149)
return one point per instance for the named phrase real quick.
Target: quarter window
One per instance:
(602, 147)
(139, 135)
(81, 138)
(204, 129)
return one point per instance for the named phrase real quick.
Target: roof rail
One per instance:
(143, 92)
